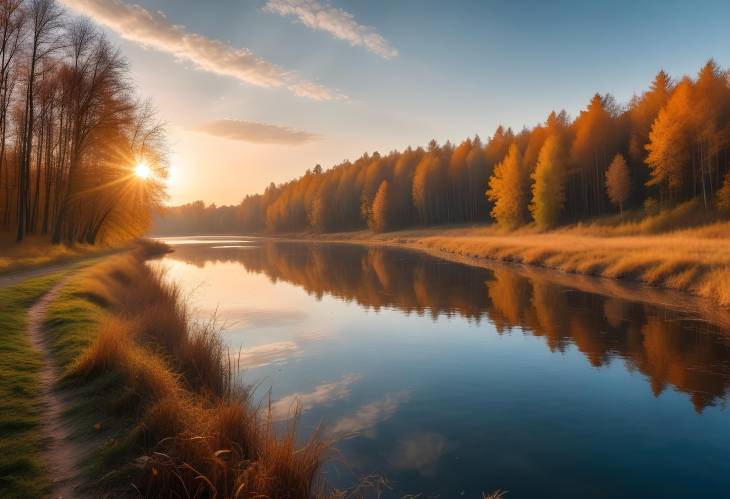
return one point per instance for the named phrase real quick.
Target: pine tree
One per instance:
(618, 182)
(548, 189)
(508, 190)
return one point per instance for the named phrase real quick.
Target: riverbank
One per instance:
(694, 260)
(39, 253)
(145, 395)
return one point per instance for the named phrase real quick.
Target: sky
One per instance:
(257, 91)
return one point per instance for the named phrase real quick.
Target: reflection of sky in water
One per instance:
(206, 240)
(449, 405)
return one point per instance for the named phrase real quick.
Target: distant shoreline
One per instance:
(478, 246)
(691, 265)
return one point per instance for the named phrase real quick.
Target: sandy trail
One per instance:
(61, 453)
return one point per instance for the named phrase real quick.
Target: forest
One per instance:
(72, 132)
(666, 146)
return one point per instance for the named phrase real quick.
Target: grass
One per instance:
(36, 252)
(21, 470)
(154, 397)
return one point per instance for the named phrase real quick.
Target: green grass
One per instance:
(100, 410)
(21, 446)
(71, 324)
(21, 471)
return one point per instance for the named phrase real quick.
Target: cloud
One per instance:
(322, 394)
(277, 352)
(419, 451)
(258, 133)
(269, 353)
(153, 29)
(369, 415)
(337, 22)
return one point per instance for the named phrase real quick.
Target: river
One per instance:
(450, 380)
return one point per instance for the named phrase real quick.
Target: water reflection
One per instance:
(671, 348)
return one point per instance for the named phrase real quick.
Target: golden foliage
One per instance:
(618, 182)
(508, 190)
(548, 188)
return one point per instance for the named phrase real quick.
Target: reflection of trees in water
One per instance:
(667, 347)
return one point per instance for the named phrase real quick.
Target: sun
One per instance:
(142, 171)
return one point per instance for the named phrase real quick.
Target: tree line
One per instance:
(71, 131)
(668, 145)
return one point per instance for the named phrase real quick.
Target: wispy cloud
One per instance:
(259, 133)
(369, 415)
(270, 353)
(322, 394)
(153, 29)
(337, 22)
(277, 352)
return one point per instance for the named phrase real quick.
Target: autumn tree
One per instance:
(72, 131)
(548, 188)
(669, 141)
(642, 112)
(618, 182)
(596, 142)
(44, 19)
(380, 214)
(508, 190)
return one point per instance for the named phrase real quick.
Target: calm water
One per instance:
(451, 380)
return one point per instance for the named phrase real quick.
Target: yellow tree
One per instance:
(642, 112)
(379, 220)
(596, 140)
(548, 188)
(508, 190)
(670, 140)
(618, 182)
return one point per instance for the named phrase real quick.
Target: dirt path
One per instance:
(14, 278)
(18, 276)
(61, 453)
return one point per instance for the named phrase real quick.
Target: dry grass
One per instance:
(37, 251)
(200, 433)
(684, 260)
(34, 252)
(650, 250)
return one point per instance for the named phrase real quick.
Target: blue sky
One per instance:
(461, 68)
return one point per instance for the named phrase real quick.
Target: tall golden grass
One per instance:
(201, 434)
(687, 260)
(684, 248)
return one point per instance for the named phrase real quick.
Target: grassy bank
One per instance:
(694, 260)
(154, 400)
(36, 252)
(21, 469)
